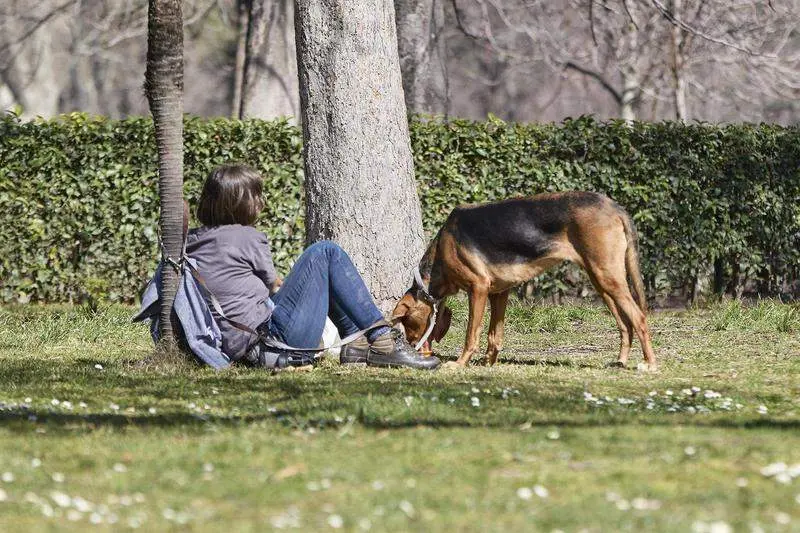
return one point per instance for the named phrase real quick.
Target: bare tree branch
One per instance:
(596, 76)
(683, 25)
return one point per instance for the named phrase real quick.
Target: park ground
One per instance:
(95, 435)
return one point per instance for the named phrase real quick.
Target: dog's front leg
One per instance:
(477, 306)
(498, 303)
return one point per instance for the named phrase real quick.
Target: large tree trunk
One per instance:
(359, 175)
(420, 28)
(164, 89)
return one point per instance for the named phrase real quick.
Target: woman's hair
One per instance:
(231, 195)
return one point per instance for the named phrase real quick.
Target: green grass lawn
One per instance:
(92, 439)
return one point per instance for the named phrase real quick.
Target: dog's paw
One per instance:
(451, 365)
(615, 364)
(644, 367)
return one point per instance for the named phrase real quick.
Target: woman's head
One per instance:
(231, 195)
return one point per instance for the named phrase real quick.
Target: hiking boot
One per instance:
(354, 352)
(392, 350)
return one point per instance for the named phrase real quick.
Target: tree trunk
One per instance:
(420, 28)
(270, 73)
(241, 57)
(629, 90)
(164, 89)
(678, 79)
(359, 175)
(35, 66)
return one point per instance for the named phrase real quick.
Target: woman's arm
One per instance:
(263, 268)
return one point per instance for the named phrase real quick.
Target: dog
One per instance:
(488, 249)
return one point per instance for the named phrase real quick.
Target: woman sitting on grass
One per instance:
(236, 262)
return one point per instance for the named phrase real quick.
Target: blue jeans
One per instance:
(323, 282)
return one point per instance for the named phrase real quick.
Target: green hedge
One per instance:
(78, 202)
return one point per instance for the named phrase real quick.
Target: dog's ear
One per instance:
(442, 325)
(402, 308)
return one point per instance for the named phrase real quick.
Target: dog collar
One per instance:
(421, 287)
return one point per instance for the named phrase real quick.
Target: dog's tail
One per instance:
(632, 261)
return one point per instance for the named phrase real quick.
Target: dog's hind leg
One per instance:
(625, 331)
(478, 295)
(624, 325)
(498, 304)
(633, 318)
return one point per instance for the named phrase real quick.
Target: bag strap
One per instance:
(273, 343)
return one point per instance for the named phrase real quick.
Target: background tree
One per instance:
(359, 176)
(421, 46)
(164, 89)
(522, 60)
(265, 77)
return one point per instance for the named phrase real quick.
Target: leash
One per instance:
(431, 300)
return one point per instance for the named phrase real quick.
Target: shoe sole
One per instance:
(395, 365)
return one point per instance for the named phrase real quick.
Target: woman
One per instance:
(236, 262)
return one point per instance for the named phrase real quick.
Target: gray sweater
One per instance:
(236, 263)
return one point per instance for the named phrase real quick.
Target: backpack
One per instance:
(200, 331)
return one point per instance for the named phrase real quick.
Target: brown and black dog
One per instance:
(488, 249)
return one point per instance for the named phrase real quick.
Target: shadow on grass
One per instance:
(22, 422)
(374, 398)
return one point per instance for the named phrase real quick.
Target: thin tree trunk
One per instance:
(359, 176)
(164, 89)
(241, 58)
(678, 79)
(629, 90)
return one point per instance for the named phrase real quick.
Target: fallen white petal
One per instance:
(541, 491)
(773, 469)
(524, 493)
(407, 508)
(60, 499)
(335, 521)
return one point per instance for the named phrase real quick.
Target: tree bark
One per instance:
(420, 28)
(359, 176)
(164, 89)
(270, 74)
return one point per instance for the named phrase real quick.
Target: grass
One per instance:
(91, 438)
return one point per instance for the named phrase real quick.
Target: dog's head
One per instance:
(414, 311)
